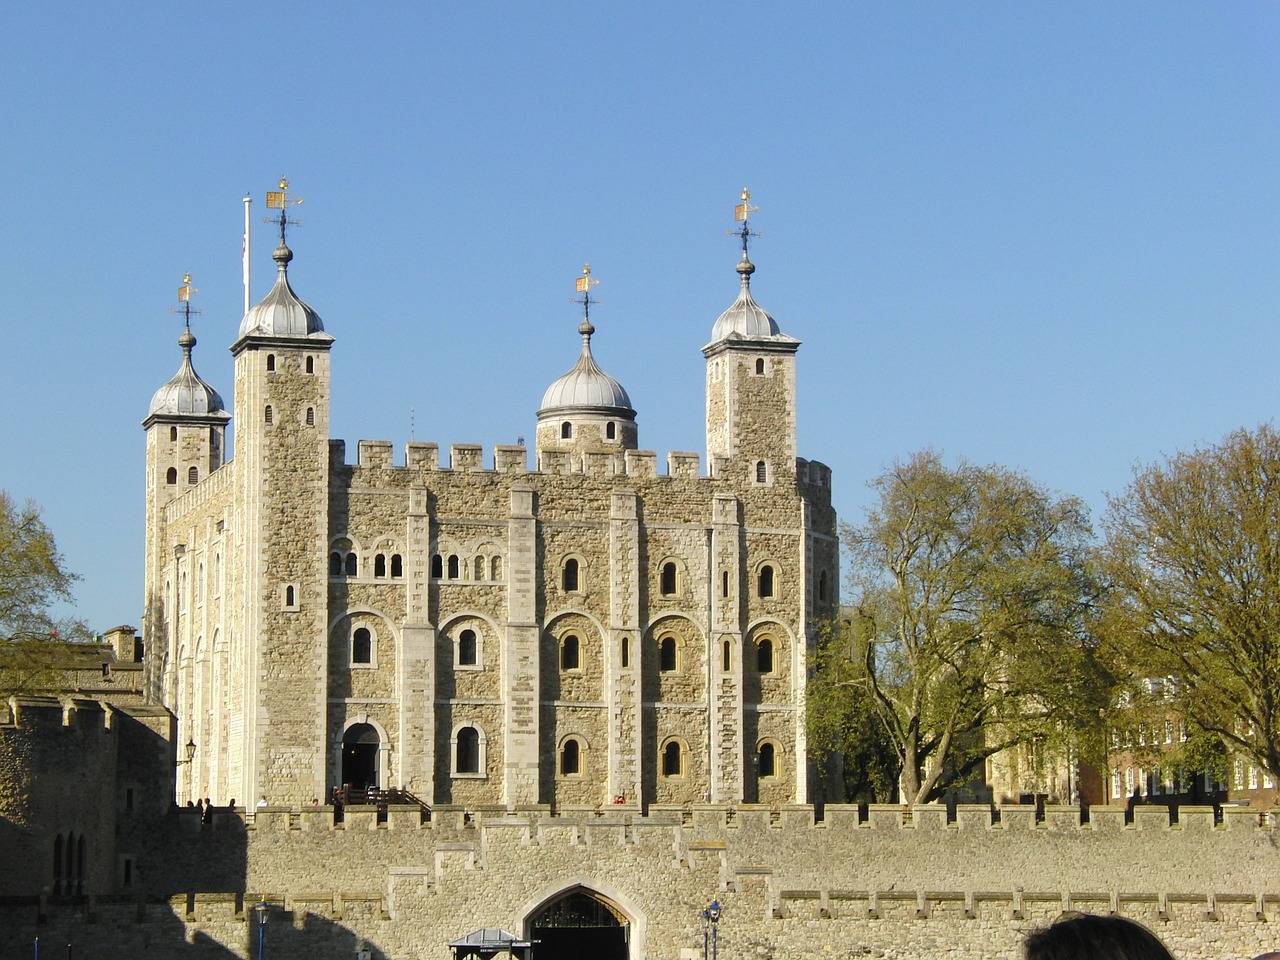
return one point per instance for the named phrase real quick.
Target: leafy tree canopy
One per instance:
(32, 581)
(974, 590)
(1193, 553)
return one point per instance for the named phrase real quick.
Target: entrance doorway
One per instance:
(579, 925)
(360, 757)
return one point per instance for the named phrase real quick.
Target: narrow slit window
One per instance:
(726, 657)
(762, 472)
(311, 365)
(467, 651)
(269, 417)
(668, 585)
(764, 584)
(362, 646)
(569, 653)
(467, 756)
(271, 362)
(570, 758)
(667, 654)
(626, 652)
(566, 430)
(611, 431)
(311, 416)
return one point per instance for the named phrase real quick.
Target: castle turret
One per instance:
(751, 386)
(586, 410)
(282, 455)
(186, 434)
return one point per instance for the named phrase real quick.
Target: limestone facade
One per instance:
(473, 628)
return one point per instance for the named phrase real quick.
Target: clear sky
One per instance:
(1037, 235)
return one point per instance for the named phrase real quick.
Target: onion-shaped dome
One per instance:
(586, 386)
(746, 319)
(281, 313)
(186, 395)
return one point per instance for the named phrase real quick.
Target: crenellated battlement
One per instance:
(514, 459)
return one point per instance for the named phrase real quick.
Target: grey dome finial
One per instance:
(186, 395)
(586, 385)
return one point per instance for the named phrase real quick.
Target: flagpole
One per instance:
(247, 200)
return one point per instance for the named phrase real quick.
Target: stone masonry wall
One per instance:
(875, 884)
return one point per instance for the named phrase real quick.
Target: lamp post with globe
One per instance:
(261, 911)
(710, 923)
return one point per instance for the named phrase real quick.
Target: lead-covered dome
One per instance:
(586, 386)
(281, 313)
(746, 319)
(186, 395)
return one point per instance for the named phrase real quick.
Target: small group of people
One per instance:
(1084, 936)
(205, 808)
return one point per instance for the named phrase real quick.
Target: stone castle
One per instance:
(571, 690)
(586, 630)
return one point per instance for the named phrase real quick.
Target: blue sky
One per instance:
(1037, 235)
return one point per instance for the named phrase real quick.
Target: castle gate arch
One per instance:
(360, 749)
(579, 921)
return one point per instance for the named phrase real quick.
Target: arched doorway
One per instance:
(576, 925)
(360, 756)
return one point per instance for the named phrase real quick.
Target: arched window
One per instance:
(668, 584)
(569, 579)
(362, 646)
(453, 566)
(171, 477)
(570, 758)
(193, 475)
(290, 596)
(726, 657)
(569, 653)
(822, 586)
(271, 362)
(495, 568)
(479, 568)
(173, 434)
(611, 431)
(566, 430)
(397, 565)
(764, 656)
(671, 759)
(764, 583)
(467, 754)
(724, 584)
(467, 653)
(380, 565)
(335, 564)
(269, 417)
(352, 565)
(311, 416)
(762, 472)
(760, 366)
(667, 654)
(626, 651)
(1115, 785)
(437, 566)
(311, 365)
(765, 761)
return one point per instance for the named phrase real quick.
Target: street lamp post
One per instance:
(261, 911)
(710, 921)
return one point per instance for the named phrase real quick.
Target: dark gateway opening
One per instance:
(579, 926)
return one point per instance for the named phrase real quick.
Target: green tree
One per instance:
(33, 580)
(974, 589)
(1193, 554)
(846, 738)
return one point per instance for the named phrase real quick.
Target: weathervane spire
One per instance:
(742, 214)
(185, 293)
(280, 200)
(583, 285)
